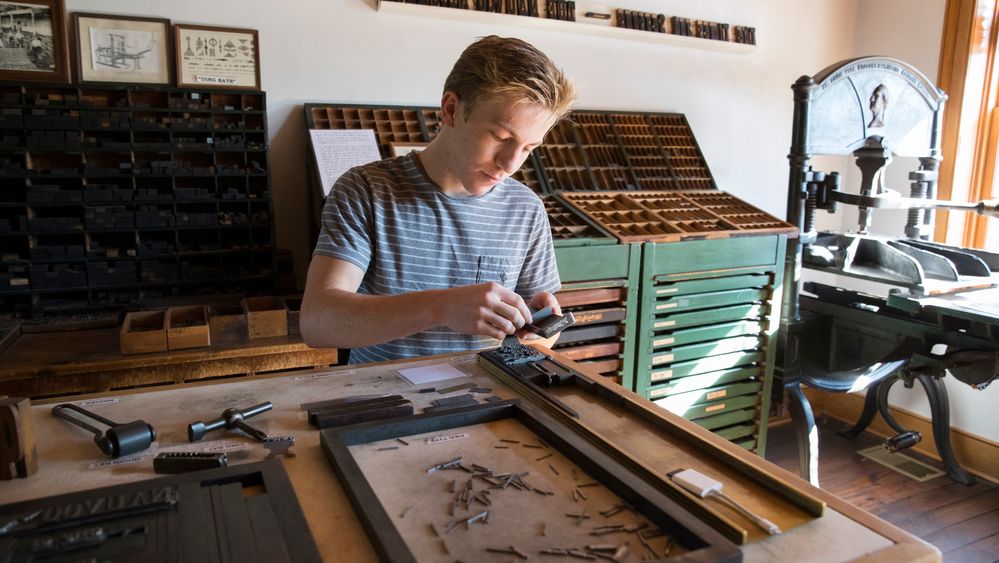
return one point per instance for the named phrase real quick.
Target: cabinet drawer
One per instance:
(705, 349)
(712, 299)
(705, 333)
(753, 311)
(705, 365)
(717, 421)
(738, 432)
(690, 399)
(713, 379)
(713, 408)
(712, 284)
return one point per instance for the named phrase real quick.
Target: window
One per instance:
(970, 139)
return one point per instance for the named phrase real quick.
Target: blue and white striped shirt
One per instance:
(391, 221)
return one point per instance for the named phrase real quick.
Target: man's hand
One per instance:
(487, 309)
(538, 302)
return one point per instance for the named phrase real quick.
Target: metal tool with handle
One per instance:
(231, 418)
(119, 439)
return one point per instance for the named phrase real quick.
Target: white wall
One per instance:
(739, 106)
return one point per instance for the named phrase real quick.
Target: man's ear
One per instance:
(449, 108)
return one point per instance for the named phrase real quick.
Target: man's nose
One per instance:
(509, 160)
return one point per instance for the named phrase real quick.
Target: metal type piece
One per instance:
(183, 462)
(279, 445)
(360, 411)
(231, 418)
(551, 325)
(119, 439)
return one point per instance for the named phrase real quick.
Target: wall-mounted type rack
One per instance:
(630, 26)
(115, 194)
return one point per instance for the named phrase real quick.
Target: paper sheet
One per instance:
(432, 373)
(340, 150)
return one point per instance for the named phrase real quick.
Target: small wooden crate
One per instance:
(187, 327)
(225, 318)
(143, 332)
(294, 306)
(265, 316)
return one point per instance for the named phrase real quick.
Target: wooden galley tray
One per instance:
(566, 487)
(143, 332)
(187, 327)
(660, 443)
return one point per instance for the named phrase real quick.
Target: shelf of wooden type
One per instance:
(545, 24)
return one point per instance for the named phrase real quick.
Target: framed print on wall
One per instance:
(33, 41)
(108, 48)
(217, 57)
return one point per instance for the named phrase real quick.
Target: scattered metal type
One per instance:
(386, 448)
(612, 510)
(509, 441)
(509, 551)
(649, 534)
(646, 545)
(578, 516)
(404, 511)
(543, 457)
(451, 486)
(575, 495)
(401, 441)
(555, 471)
(484, 515)
(481, 390)
(543, 528)
(444, 546)
(579, 492)
(669, 547)
(428, 390)
(446, 465)
(602, 547)
(620, 553)
(453, 388)
(502, 447)
(590, 484)
(535, 446)
(434, 530)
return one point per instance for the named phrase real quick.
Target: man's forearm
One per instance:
(344, 319)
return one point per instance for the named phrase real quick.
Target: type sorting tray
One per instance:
(246, 513)
(505, 478)
(651, 216)
(395, 124)
(707, 320)
(114, 194)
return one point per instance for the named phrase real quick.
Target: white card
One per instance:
(431, 373)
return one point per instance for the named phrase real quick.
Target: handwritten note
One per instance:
(340, 150)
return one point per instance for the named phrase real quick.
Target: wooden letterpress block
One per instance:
(18, 457)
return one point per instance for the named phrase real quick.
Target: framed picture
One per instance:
(400, 148)
(217, 57)
(33, 41)
(108, 48)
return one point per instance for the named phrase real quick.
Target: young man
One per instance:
(441, 251)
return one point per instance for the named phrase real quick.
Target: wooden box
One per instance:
(294, 306)
(187, 327)
(226, 319)
(143, 332)
(265, 316)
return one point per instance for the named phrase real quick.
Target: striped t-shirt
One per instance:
(391, 221)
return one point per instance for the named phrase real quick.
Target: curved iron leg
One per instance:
(868, 414)
(805, 432)
(936, 392)
(883, 406)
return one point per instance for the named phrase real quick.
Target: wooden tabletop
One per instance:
(69, 460)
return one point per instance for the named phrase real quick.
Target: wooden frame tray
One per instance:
(394, 474)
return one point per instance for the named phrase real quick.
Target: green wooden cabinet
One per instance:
(707, 318)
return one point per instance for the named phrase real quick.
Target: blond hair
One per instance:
(506, 67)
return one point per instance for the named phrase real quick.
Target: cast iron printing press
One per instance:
(941, 315)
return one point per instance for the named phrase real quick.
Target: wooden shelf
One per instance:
(473, 16)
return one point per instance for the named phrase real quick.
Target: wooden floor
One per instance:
(963, 522)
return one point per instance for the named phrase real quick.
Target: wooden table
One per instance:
(89, 361)
(67, 457)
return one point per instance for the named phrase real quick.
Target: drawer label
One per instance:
(716, 394)
(660, 375)
(664, 324)
(714, 408)
(664, 306)
(663, 341)
(662, 359)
